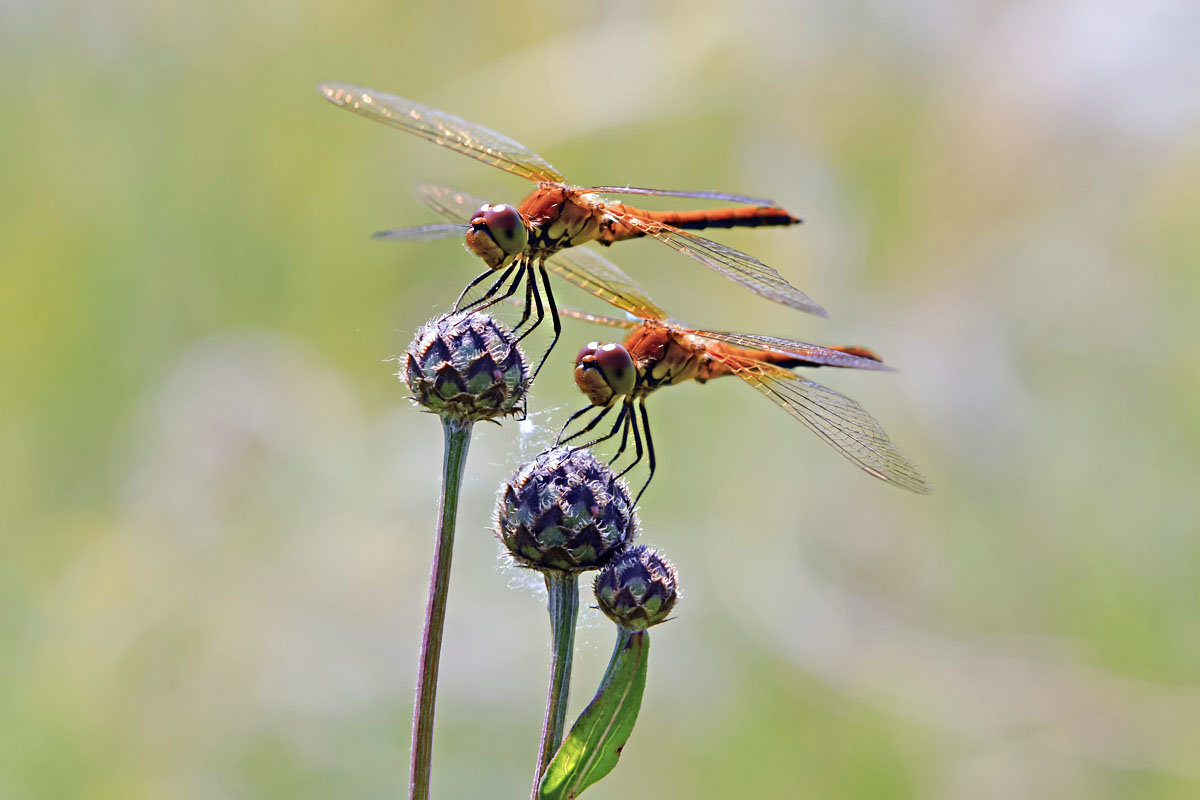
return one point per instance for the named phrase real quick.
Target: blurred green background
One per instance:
(218, 505)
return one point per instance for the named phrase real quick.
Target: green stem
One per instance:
(562, 589)
(625, 637)
(458, 440)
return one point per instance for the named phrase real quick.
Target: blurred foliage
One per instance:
(218, 507)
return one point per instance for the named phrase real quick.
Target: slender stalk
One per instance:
(458, 440)
(562, 589)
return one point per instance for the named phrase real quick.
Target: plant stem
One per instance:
(562, 589)
(458, 440)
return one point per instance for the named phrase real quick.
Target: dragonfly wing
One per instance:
(598, 319)
(422, 233)
(825, 356)
(457, 207)
(441, 128)
(451, 204)
(733, 264)
(724, 197)
(837, 419)
(595, 274)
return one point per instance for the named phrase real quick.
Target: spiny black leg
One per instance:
(637, 442)
(478, 280)
(649, 448)
(528, 304)
(522, 271)
(554, 318)
(629, 421)
(571, 419)
(495, 287)
(595, 421)
(531, 289)
(626, 410)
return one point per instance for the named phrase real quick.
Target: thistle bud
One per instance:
(637, 589)
(565, 511)
(467, 366)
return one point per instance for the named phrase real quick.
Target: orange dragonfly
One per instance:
(659, 351)
(514, 241)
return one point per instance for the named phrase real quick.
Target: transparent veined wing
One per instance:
(826, 356)
(423, 233)
(458, 207)
(451, 204)
(724, 197)
(837, 419)
(598, 276)
(733, 264)
(441, 128)
(598, 319)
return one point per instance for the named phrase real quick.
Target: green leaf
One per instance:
(592, 748)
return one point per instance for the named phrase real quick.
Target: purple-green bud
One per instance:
(565, 511)
(637, 589)
(467, 366)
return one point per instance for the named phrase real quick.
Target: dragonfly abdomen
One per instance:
(740, 217)
(731, 357)
(698, 219)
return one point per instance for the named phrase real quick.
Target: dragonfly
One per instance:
(515, 241)
(658, 351)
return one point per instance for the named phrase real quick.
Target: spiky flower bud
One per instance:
(637, 589)
(565, 511)
(467, 366)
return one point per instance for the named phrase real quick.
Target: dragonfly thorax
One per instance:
(559, 218)
(664, 356)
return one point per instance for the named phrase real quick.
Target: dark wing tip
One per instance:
(868, 358)
(871, 364)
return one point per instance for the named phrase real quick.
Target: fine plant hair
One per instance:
(562, 514)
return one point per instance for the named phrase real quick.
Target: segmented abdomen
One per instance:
(738, 217)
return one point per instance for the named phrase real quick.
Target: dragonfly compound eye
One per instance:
(604, 371)
(617, 368)
(506, 226)
(588, 351)
(497, 235)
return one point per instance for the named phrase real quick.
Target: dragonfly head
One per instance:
(497, 234)
(603, 371)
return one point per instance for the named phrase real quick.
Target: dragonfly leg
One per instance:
(478, 280)
(629, 421)
(522, 271)
(528, 305)
(495, 287)
(649, 448)
(594, 422)
(539, 313)
(637, 441)
(626, 410)
(554, 318)
(571, 419)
